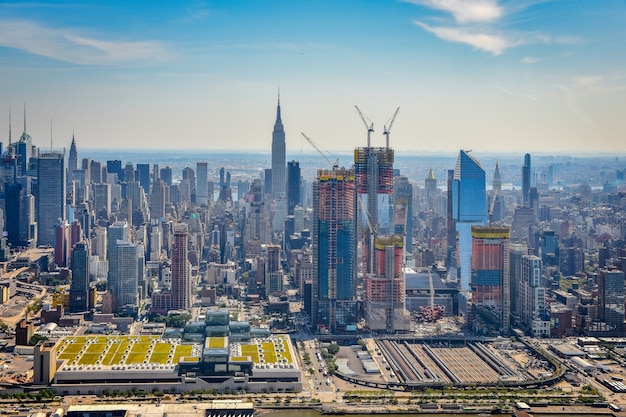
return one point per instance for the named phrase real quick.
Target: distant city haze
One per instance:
(487, 75)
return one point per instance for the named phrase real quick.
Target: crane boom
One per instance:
(314, 145)
(369, 127)
(388, 129)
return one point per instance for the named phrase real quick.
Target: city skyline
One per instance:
(502, 76)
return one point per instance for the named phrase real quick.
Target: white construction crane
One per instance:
(388, 129)
(369, 127)
(314, 145)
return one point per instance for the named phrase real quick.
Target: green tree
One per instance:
(36, 338)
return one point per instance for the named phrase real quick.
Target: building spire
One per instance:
(9, 127)
(24, 117)
(278, 119)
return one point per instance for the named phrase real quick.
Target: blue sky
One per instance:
(488, 75)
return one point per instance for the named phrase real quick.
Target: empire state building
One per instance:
(279, 161)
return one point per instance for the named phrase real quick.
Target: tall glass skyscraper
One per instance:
(279, 160)
(469, 208)
(293, 186)
(79, 289)
(50, 198)
(334, 250)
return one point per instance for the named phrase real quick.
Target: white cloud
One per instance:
(529, 60)
(69, 47)
(486, 42)
(466, 11)
(598, 84)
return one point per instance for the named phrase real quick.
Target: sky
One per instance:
(487, 75)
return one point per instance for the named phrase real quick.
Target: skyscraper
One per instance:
(50, 198)
(115, 167)
(72, 162)
(273, 271)
(202, 194)
(469, 208)
(143, 171)
(181, 269)
(430, 188)
(123, 269)
(526, 181)
(403, 201)
(611, 296)
(495, 202)
(490, 274)
(79, 289)
(334, 250)
(533, 297)
(278, 157)
(157, 200)
(293, 186)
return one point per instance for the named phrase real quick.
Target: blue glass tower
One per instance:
(469, 208)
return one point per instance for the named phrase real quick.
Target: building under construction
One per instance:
(385, 289)
(383, 251)
(334, 250)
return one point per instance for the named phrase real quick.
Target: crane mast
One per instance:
(387, 130)
(369, 127)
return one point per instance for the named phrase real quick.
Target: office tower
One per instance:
(495, 203)
(611, 296)
(143, 175)
(469, 208)
(123, 259)
(129, 172)
(95, 170)
(158, 200)
(50, 196)
(451, 261)
(189, 174)
(273, 271)
(533, 298)
(76, 233)
(516, 252)
(72, 162)
(128, 263)
(490, 274)
(23, 150)
(12, 206)
(115, 167)
(430, 189)
(526, 181)
(549, 247)
(550, 178)
(278, 157)
(298, 216)
(79, 289)
(267, 185)
(102, 200)
(257, 227)
(334, 244)
(181, 269)
(62, 246)
(403, 201)
(293, 186)
(202, 192)
(166, 175)
(222, 178)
